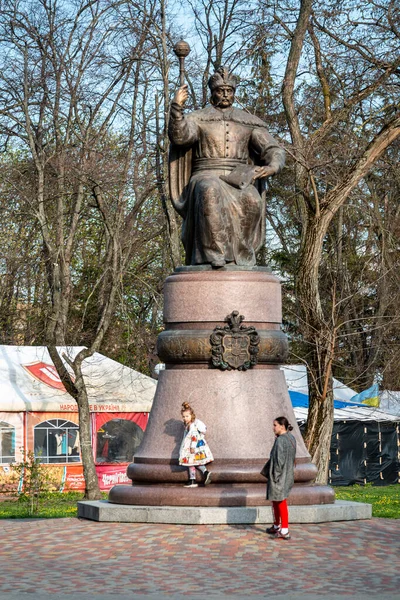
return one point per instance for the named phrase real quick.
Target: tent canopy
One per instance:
(390, 402)
(296, 379)
(356, 413)
(29, 382)
(344, 408)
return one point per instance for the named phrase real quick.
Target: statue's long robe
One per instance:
(220, 222)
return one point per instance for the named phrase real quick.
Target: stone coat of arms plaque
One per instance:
(234, 346)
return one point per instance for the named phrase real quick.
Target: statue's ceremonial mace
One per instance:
(181, 50)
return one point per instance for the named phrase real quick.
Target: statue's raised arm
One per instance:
(218, 159)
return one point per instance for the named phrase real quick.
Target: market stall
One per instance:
(39, 416)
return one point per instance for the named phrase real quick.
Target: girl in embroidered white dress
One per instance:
(194, 452)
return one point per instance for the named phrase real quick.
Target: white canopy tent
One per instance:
(37, 414)
(29, 382)
(296, 379)
(345, 409)
(356, 413)
(390, 402)
(364, 442)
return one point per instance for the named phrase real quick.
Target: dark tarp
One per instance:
(348, 454)
(364, 452)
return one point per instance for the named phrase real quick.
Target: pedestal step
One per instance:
(101, 510)
(214, 495)
(222, 472)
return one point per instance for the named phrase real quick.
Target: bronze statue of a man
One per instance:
(218, 159)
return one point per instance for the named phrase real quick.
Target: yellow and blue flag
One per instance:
(369, 396)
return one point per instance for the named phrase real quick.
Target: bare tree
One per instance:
(368, 267)
(331, 159)
(74, 76)
(84, 98)
(223, 28)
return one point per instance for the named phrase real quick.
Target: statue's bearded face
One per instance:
(223, 96)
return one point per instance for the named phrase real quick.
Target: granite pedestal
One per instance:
(238, 406)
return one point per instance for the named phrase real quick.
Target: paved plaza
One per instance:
(72, 558)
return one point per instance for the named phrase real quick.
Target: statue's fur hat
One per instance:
(222, 76)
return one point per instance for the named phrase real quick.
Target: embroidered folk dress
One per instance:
(193, 438)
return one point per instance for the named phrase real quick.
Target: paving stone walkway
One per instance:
(61, 558)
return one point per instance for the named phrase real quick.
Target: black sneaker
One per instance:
(191, 484)
(272, 530)
(206, 478)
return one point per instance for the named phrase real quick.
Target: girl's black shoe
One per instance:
(206, 478)
(191, 484)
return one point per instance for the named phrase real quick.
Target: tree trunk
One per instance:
(318, 430)
(92, 489)
(173, 229)
(321, 337)
(77, 390)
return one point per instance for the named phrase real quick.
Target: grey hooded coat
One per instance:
(281, 467)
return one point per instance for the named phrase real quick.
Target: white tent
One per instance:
(29, 382)
(390, 402)
(350, 413)
(345, 409)
(364, 442)
(296, 379)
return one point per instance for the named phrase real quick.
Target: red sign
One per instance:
(45, 374)
(109, 476)
(70, 477)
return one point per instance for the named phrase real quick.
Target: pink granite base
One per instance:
(215, 495)
(201, 296)
(238, 407)
(223, 471)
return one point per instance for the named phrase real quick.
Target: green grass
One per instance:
(385, 500)
(50, 506)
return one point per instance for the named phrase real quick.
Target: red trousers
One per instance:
(281, 515)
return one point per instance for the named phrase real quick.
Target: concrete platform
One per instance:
(101, 510)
